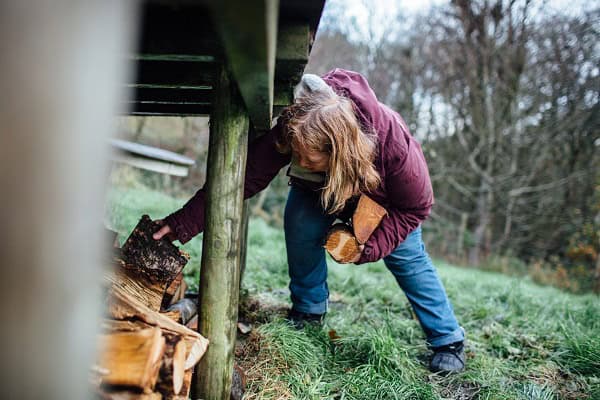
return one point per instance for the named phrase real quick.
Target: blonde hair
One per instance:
(325, 122)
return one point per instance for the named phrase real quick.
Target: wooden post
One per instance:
(220, 270)
(61, 68)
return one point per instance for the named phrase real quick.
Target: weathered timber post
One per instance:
(61, 68)
(220, 270)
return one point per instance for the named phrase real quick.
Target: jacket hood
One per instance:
(354, 86)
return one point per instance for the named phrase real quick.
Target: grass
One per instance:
(524, 341)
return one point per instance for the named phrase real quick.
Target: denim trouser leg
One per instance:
(305, 225)
(415, 274)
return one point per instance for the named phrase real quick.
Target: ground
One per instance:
(524, 341)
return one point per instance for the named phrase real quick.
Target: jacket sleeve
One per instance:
(410, 198)
(263, 164)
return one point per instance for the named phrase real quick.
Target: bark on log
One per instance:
(366, 218)
(341, 243)
(132, 358)
(149, 270)
(121, 305)
(158, 260)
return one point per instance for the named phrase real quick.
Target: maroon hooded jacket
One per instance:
(405, 190)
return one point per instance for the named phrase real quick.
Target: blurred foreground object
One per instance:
(60, 72)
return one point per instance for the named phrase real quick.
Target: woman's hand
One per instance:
(165, 230)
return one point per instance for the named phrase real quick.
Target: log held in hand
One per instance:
(159, 260)
(343, 242)
(150, 270)
(366, 218)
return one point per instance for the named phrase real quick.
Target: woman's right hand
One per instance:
(165, 230)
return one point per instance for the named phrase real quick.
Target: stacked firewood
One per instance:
(145, 351)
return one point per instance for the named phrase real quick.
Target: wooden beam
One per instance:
(248, 30)
(180, 74)
(186, 109)
(177, 29)
(220, 270)
(293, 46)
(284, 94)
(304, 11)
(173, 95)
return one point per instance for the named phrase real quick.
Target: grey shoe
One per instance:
(448, 358)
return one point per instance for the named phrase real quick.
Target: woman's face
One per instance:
(314, 161)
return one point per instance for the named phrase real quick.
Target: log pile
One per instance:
(144, 350)
(343, 242)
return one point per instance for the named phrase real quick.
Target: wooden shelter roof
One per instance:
(266, 43)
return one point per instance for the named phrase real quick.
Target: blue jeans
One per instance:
(305, 226)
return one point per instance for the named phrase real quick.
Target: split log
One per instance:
(137, 286)
(366, 218)
(122, 306)
(126, 395)
(172, 370)
(174, 292)
(184, 394)
(187, 386)
(175, 315)
(341, 243)
(131, 358)
(155, 263)
(171, 374)
(193, 323)
(159, 259)
(149, 270)
(114, 325)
